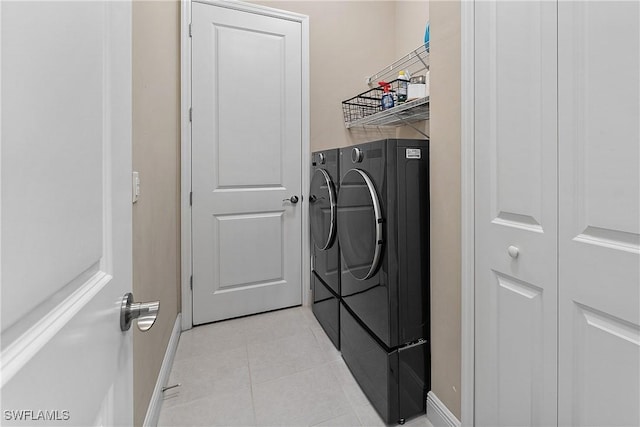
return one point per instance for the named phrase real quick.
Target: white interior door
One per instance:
(516, 213)
(599, 163)
(246, 160)
(66, 212)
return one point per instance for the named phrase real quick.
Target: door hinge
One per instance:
(191, 282)
(190, 114)
(191, 198)
(190, 33)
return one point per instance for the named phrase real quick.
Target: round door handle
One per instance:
(513, 252)
(145, 312)
(293, 199)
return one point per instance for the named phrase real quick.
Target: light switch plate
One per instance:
(135, 181)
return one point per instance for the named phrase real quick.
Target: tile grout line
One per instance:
(253, 401)
(352, 406)
(358, 417)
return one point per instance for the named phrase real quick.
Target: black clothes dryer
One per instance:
(325, 275)
(383, 229)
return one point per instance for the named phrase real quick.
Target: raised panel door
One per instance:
(516, 213)
(246, 162)
(599, 213)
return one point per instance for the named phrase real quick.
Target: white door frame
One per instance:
(185, 144)
(467, 179)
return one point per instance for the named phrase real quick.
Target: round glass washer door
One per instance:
(322, 210)
(359, 224)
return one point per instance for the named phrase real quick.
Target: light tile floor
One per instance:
(272, 369)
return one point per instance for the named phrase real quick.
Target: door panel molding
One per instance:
(519, 287)
(230, 229)
(17, 354)
(264, 165)
(612, 239)
(513, 191)
(60, 343)
(600, 339)
(610, 324)
(521, 342)
(523, 222)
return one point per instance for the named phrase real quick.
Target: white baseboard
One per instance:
(438, 414)
(153, 411)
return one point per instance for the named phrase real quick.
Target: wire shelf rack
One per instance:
(365, 109)
(415, 61)
(399, 115)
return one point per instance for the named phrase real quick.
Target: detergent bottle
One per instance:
(387, 96)
(403, 84)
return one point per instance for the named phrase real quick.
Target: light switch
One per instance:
(135, 181)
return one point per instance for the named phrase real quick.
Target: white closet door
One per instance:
(516, 207)
(599, 156)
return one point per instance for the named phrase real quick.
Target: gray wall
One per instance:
(445, 202)
(156, 216)
(347, 43)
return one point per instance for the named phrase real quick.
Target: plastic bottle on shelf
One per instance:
(403, 84)
(427, 37)
(387, 97)
(427, 84)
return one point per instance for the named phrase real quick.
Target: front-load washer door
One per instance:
(359, 224)
(322, 210)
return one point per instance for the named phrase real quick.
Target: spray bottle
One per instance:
(387, 96)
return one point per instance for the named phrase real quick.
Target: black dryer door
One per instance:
(359, 224)
(322, 208)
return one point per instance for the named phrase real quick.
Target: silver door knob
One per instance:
(513, 252)
(145, 312)
(292, 199)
